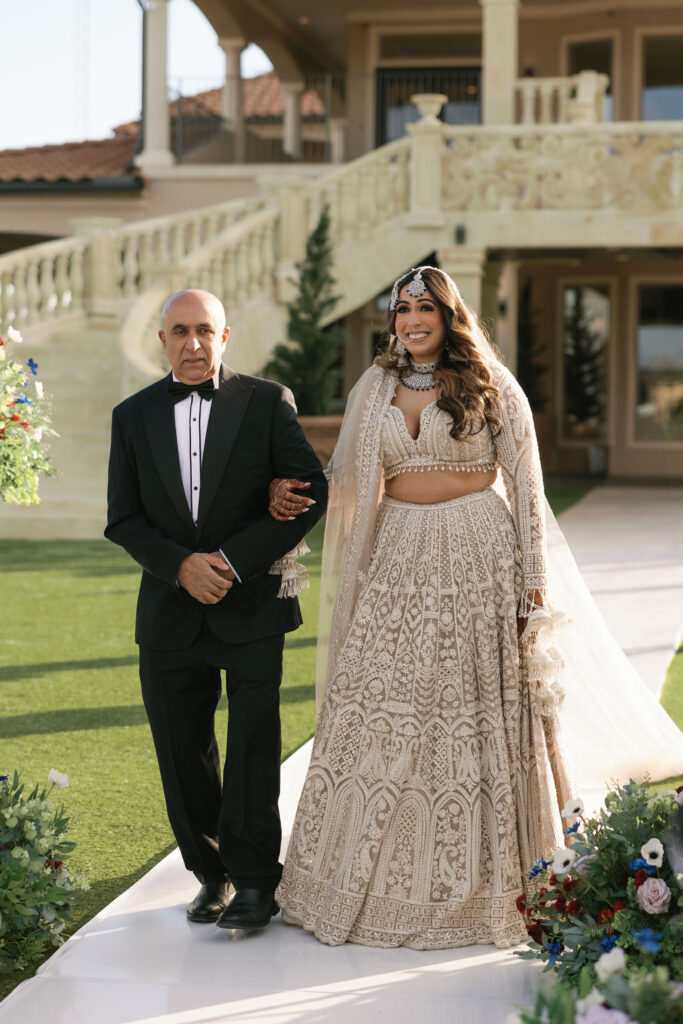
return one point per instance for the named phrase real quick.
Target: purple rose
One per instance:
(603, 1015)
(654, 896)
(581, 865)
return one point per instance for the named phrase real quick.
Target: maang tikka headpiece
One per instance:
(416, 287)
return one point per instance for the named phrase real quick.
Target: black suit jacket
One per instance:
(253, 435)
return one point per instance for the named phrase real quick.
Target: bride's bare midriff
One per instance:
(434, 485)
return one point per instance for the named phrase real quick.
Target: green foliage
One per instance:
(24, 428)
(531, 367)
(584, 371)
(307, 366)
(646, 997)
(37, 892)
(579, 916)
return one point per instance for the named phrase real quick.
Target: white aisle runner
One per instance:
(141, 962)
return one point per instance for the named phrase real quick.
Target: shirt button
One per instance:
(194, 419)
(196, 488)
(195, 454)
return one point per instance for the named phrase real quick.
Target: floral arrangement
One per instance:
(37, 891)
(24, 427)
(607, 918)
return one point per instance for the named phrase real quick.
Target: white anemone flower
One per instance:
(14, 335)
(653, 852)
(58, 778)
(572, 809)
(563, 860)
(613, 962)
(594, 998)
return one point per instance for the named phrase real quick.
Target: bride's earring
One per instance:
(401, 350)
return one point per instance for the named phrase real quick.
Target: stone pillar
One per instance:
(465, 264)
(291, 128)
(499, 60)
(337, 140)
(102, 266)
(489, 298)
(157, 151)
(289, 194)
(232, 108)
(426, 151)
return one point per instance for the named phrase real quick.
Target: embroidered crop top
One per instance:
(513, 449)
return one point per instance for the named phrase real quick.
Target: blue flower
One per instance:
(3, 778)
(23, 400)
(539, 866)
(33, 366)
(640, 864)
(649, 940)
(609, 941)
(554, 950)
(572, 828)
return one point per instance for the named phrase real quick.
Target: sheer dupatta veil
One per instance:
(612, 727)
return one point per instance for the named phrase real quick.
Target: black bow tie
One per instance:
(177, 390)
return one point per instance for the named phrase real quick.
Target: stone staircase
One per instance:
(88, 305)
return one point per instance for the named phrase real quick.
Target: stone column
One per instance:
(337, 140)
(157, 151)
(426, 151)
(499, 60)
(291, 140)
(102, 266)
(232, 108)
(506, 331)
(465, 264)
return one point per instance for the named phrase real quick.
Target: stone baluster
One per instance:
(130, 266)
(583, 107)
(48, 300)
(527, 92)
(563, 97)
(242, 269)
(20, 303)
(229, 279)
(426, 139)
(289, 194)
(144, 259)
(62, 282)
(32, 293)
(77, 280)
(546, 91)
(6, 305)
(192, 234)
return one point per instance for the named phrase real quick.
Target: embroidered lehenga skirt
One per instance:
(431, 788)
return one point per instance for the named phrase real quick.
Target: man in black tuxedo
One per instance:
(192, 457)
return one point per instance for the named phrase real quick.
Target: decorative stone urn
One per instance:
(429, 104)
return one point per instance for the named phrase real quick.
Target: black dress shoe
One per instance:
(249, 909)
(209, 903)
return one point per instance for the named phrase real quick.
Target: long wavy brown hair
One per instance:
(463, 372)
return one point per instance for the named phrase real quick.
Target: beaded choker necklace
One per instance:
(419, 376)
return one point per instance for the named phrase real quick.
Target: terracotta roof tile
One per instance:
(72, 161)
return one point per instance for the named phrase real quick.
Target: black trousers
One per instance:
(230, 831)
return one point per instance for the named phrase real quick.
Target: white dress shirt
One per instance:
(191, 423)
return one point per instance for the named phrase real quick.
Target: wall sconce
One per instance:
(460, 234)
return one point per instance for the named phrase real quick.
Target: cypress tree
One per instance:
(307, 366)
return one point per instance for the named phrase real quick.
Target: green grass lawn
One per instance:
(70, 699)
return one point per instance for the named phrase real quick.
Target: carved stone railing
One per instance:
(636, 167)
(106, 262)
(42, 282)
(578, 98)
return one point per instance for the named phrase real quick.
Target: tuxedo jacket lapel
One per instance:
(160, 427)
(228, 408)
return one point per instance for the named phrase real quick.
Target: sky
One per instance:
(71, 69)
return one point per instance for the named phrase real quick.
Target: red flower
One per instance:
(1, 342)
(536, 929)
(560, 904)
(48, 862)
(58, 863)
(605, 916)
(679, 789)
(573, 907)
(25, 424)
(15, 418)
(520, 903)
(569, 884)
(553, 879)
(640, 877)
(619, 906)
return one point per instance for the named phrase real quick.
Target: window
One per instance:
(586, 327)
(394, 89)
(593, 55)
(659, 400)
(662, 96)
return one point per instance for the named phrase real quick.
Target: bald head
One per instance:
(194, 334)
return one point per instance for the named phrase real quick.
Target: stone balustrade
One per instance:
(561, 100)
(630, 166)
(42, 282)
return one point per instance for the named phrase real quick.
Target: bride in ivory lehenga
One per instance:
(455, 693)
